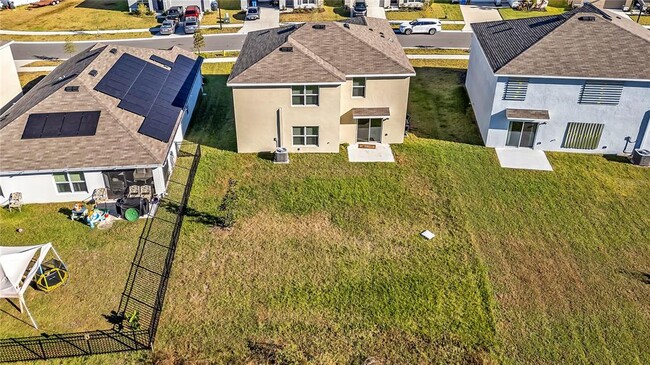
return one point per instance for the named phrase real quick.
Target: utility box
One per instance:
(641, 157)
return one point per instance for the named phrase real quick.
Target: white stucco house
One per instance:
(109, 117)
(11, 89)
(575, 82)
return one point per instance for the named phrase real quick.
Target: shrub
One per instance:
(228, 208)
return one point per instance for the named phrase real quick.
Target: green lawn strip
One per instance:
(75, 15)
(508, 13)
(76, 37)
(441, 11)
(325, 13)
(44, 63)
(29, 79)
(219, 54)
(435, 51)
(644, 20)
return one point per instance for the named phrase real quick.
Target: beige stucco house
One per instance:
(11, 89)
(312, 87)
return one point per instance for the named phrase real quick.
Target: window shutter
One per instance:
(582, 136)
(516, 89)
(601, 92)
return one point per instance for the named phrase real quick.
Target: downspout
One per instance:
(278, 138)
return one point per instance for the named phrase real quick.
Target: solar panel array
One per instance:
(154, 92)
(52, 125)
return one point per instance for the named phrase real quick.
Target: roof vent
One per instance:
(286, 49)
(346, 25)
(318, 26)
(587, 18)
(72, 89)
(92, 73)
(113, 50)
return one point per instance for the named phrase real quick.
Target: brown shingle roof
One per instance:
(584, 43)
(358, 113)
(116, 142)
(527, 114)
(320, 53)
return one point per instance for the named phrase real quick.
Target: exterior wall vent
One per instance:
(583, 136)
(286, 49)
(516, 89)
(601, 92)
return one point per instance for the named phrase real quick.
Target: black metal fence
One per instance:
(135, 323)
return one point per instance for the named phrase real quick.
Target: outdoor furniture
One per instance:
(100, 195)
(16, 201)
(134, 192)
(145, 192)
(125, 203)
(78, 211)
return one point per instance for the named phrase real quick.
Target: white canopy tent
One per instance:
(18, 266)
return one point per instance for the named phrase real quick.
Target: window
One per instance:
(359, 87)
(304, 95)
(516, 89)
(583, 136)
(305, 136)
(601, 92)
(68, 182)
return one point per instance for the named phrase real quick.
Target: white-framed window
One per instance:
(358, 87)
(305, 136)
(304, 95)
(69, 182)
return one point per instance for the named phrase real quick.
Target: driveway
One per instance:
(269, 18)
(376, 12)
(478, 14)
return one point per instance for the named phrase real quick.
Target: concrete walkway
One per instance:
(523, 159)
(376, 12)
(269, 18)
(479, 14)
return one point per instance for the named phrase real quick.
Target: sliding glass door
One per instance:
(521, 134)
(369, 130)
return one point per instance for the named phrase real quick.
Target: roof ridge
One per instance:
(389, 56)
(326, 65)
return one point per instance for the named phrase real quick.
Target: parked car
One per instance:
(175, 13)
(192, 11)
(360, 9)
(423, 25)
(191, 24)
(168, 27)
(253, 13)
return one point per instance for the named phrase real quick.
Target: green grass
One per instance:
(509, 13)
(435, 10)
(44, 63)
(75, 15)
(29, 79)
(76, 37)
(325, 263)
(644, 20)
(328, 13)
(436, 51)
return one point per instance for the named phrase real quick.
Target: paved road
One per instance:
(36, 50)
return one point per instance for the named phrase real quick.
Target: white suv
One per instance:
(423, 25)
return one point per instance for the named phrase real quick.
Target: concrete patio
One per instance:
(380, 153)
(523, 158)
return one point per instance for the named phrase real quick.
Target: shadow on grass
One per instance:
(440, 108)
(111, 5)
(641, 276)
(265, 156)
(13, 316)
(617, 158)
(240, 15)
(28, 86)
(198, 216)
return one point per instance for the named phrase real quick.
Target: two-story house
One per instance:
(312, 87)
(575, 82)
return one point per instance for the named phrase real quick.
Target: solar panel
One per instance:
(144, 91)
(52, 125)
(162, 61)
(121, 76)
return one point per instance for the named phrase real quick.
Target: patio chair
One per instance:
(134, 192)
(145, 192)
(16, 201)
(100, 195)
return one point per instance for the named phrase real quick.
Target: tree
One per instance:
(69, 48)
(199, 41)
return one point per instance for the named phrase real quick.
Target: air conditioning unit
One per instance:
(281, 155)
(641, 157)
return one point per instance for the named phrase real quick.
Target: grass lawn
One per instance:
(75, 15)
(77, 37)
(436, 51)
(435, 10)
(329, 13)
(29, 79)
(509, 13)
(325, 263)
(644, 20)
(44, 63)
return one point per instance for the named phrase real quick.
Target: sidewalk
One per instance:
(153, 30)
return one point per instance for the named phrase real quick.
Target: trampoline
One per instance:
(51, 275)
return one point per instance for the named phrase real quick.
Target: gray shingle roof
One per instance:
(116, 142)
(320, 53)
(566, 45)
